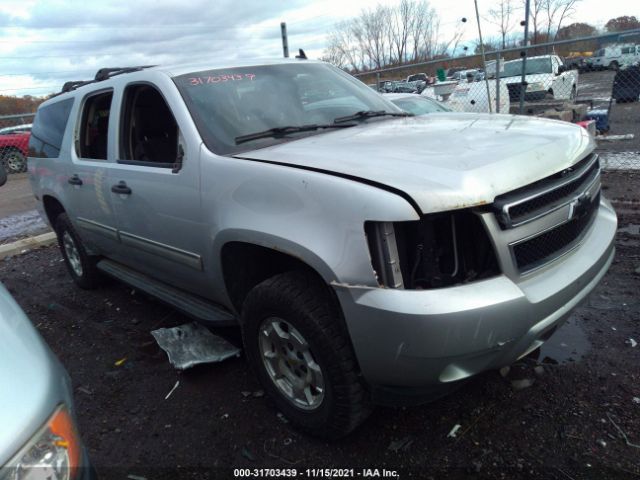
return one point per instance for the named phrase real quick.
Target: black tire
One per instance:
(14, 161)
(87, 276)
(303, 302)
(614, 66)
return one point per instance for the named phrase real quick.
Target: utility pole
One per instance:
(524, 55)
(484, 61)
(285, 42)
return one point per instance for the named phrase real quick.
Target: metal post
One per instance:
(497, 81)
(378, 82)
(484, 62)
(524, 56)
(285, 43)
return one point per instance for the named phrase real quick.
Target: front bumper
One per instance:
(418, 340)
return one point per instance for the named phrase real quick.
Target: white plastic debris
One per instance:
(522, 384)
(602, 443)
(631, 342)
(454, 431)
(613, 138)
(192, 344)
(172, 390)
(636, 400)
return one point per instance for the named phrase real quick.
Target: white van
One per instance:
(615, 56)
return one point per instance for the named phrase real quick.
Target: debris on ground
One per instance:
(504, 371)
(85, 390)
(172, 390)
(454, 430)
(119, 363)
(636, 400)
(612, 138)
(622, 434)
(601, 442)
(538, 370)
(135, 477)
(522, 383)
(192, 344)
(246, 453)
(403, 444)
(282, 418)
(631, 342)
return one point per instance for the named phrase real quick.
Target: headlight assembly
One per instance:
(53, 453)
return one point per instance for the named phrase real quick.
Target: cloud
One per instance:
(59, 40)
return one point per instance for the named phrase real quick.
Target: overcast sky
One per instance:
(43, 43)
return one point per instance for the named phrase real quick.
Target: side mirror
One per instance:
(561, 69)
(3, 175)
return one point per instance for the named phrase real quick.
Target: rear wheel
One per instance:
(81, 265)
(614, 65)
(14, 161)
(299, 348)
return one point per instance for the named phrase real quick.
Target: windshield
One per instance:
(419, 105)
(226, 104)
(534, 65)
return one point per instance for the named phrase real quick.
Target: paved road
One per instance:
(16, 196)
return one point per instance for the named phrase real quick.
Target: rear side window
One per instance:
(94, 127)
(48, 129)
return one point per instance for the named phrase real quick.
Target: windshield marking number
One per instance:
(193, 81)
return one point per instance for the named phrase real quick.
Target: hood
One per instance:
(443, 161)
(544, 78)
(32, 380)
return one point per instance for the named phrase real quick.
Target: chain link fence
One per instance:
(15, 131)
(592, 81)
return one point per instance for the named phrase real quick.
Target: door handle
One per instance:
(75, 180)
(121, 188)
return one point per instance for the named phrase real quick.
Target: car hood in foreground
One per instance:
(443, 161)
(33, 382)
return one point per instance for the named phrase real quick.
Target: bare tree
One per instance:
(404, 17)
(410, 31)
(556, 11)
(502, 16)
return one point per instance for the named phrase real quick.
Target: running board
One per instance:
(192, 305)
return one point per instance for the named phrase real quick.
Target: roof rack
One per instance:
(101, 75)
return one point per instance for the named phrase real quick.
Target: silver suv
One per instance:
(368, 256)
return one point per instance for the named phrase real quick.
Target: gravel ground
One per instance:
(564, 426)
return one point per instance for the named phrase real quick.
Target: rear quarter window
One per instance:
(48, 129)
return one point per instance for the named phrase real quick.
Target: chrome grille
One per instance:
(535, 252)
(539, 198)
(540, 222)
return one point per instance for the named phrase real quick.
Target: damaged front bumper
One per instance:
(423, 341)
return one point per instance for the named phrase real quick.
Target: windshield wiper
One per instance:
(362, 114)
(278, 132)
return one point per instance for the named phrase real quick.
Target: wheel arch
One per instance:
(245, 264)
(52, 208)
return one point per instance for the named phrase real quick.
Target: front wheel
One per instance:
(614, 66)
(81, 265)
(14, 161)
(298, 345)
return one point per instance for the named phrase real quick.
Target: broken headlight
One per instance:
(439, 250)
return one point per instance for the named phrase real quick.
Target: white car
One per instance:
(416, 104)
(546, 76)
(615, 56)
(472, 97)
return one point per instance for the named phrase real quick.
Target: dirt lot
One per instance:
(561, 427)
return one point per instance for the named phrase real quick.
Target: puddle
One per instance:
(21, 225)
(568, 344)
